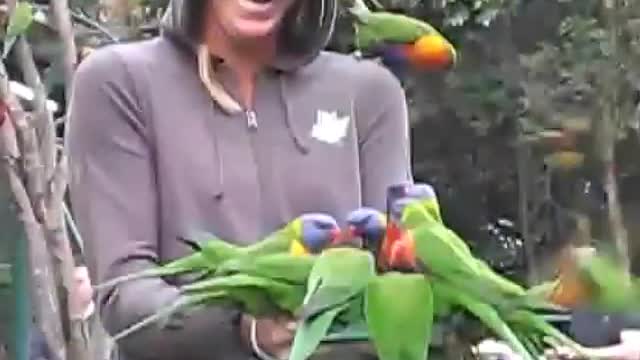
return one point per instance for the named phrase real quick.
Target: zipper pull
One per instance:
(252, 120)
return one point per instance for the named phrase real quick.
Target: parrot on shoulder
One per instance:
(399, 40)
(307, 234)
(335, 291)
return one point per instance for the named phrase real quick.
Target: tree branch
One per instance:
(62, 18)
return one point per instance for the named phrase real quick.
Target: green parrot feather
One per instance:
(375, 27)
(212, 251)
(337, 280)
(400, 301)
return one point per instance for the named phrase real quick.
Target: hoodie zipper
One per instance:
(252, 119)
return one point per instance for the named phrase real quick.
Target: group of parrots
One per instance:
(403, 269)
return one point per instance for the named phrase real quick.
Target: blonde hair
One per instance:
(217, 92)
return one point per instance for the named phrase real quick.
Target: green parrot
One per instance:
(613, 289)
(419, 211)
(461, 281)
(335, 288)
(399, 38)
(593, 279)
(403, 301)
(252, 294)
(307, 234)
(369, 226)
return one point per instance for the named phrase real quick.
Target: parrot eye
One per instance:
(324, 225)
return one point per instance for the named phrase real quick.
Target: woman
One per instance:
(233, 121)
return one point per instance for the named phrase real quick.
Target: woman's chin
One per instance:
(253, 29)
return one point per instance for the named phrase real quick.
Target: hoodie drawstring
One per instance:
(222, 98)
(231, 107)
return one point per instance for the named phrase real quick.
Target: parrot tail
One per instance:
(163, 313)
(535, 323)
(177, 267)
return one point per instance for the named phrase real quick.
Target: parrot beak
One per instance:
(352, 231)
(337, 236)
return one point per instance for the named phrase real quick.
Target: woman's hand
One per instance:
(272, 335)
(81, 297)
(622, 351)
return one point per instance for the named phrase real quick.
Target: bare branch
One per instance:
(62, 18)
(43, 118)
(42, 282)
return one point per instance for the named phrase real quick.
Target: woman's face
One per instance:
(246, 19)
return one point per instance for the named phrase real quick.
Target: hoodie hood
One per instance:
(307, 29)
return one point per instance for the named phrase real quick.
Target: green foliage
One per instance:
(19, 23)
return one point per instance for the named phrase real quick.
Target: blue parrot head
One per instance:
(421, 191)
(318, 231)
(367, 224)
(398, 206)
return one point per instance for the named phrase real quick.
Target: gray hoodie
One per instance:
(154, 157)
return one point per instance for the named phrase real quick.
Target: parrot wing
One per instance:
(379, 28)
(310, 334)
(283, 267)
(285, 296)
(442, 254)
(279, 240)
(338, 275)
(612, 287)
(484, 312)
(209, 253)
(400, 301)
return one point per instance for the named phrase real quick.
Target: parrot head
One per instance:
(367, 224)
(399, 196)
(314, 233)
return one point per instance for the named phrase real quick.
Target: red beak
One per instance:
(352, 231)
(336, 236)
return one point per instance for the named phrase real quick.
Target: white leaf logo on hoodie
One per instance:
(329, 127)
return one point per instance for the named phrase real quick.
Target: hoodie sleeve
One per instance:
(114, 198)
(383, 133)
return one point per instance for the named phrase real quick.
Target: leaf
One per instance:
(20, 20)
